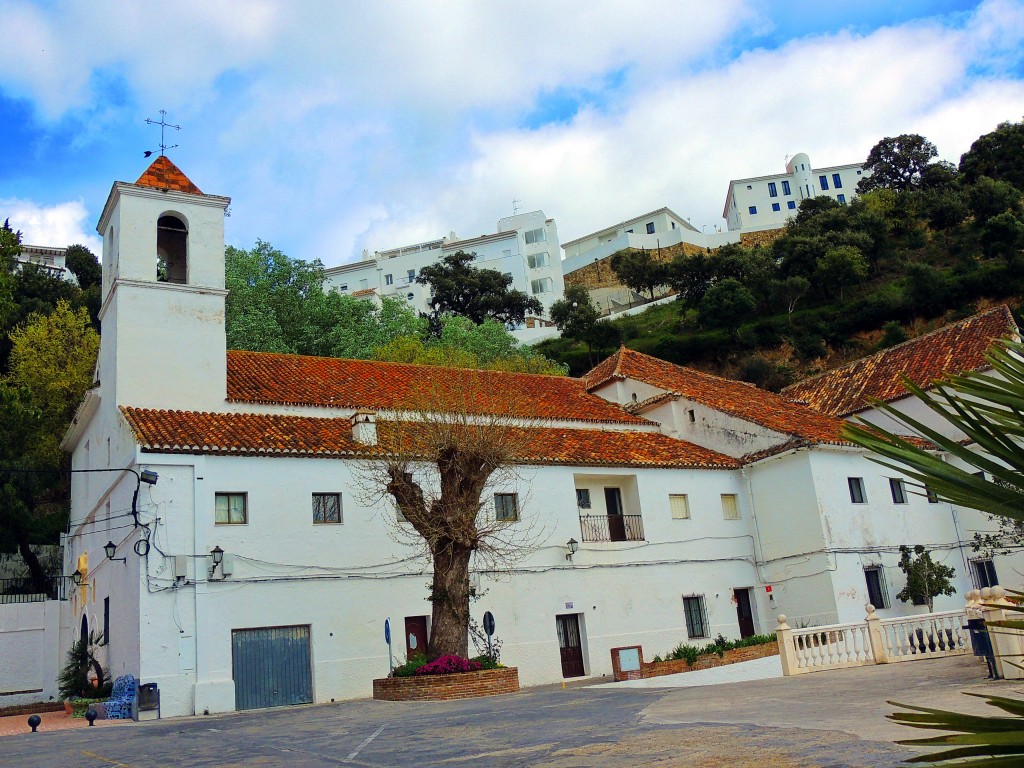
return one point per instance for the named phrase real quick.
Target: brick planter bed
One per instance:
(675, 666)
(31, 709)
(461, 685)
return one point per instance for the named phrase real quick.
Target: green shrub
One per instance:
(487, 662)
(409, 668)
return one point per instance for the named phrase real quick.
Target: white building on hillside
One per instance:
(52, 260)
(525, 247)
(766, 202)
(699, 505)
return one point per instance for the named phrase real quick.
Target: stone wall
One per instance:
(765, 237)
(463, 685)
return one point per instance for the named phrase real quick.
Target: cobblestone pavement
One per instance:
(828, 719)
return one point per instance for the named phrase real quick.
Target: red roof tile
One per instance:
(955, 348)
(736, 398)
(260, 377)
(163, 174)
(161, 431)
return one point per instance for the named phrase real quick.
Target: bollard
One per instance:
(33, 722)
(91, 715)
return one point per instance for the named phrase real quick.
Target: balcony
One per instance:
(612, 527)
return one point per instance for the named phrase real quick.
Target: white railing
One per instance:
(872, 641)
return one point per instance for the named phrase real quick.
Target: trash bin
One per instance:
(149, 698)
(982, 644)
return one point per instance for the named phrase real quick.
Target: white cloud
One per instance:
(56, 226)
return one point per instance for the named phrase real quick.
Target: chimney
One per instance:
(364, 426)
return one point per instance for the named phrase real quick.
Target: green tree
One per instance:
(1003, 237)
(926, 579)
(459, 288)
(575, 315)
(788, 292)
(691, 277)
(897, 162)
(84, 266)
(988, 197)
(842, 266)
(728, 304)
(10, 246)
(998, 155)
(639, 271)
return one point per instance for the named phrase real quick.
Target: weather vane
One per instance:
(162, 122)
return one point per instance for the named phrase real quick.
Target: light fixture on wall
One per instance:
(77, 578)
(572, 545)
(216, 558)
(110, 548)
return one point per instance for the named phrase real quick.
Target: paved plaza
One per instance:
(824, 719)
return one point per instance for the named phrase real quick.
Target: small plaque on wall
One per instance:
(568, 606)
(629, 660)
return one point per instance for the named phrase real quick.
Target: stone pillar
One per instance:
(875, 635)
(787, 653)
(1005, 642)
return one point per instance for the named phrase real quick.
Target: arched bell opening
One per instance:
(171, 250)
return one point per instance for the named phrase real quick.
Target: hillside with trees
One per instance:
(924, 243)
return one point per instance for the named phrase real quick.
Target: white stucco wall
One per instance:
(30, 652)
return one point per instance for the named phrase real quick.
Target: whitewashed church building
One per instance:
(250, 570)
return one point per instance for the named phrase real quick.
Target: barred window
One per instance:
(326, 507)
(696, 616)
(506, 507)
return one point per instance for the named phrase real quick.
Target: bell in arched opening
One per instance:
(171, 250)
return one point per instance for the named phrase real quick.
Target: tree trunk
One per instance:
(35, 568)
(449, 634)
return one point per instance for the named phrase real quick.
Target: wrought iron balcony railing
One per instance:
(612, 527)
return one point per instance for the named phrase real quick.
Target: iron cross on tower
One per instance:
(162, 122)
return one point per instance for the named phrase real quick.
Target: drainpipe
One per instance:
(758, 549)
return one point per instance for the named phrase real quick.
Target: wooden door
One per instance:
(616, 523)
(569, 645)
(415, 636)
(744, 613)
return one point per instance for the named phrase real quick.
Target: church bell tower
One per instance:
(163, 342)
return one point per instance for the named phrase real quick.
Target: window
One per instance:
(326, 507)
(506, 507)
(679, 505)
(389, 279)
(730, 508)
(535, 236)
(984, 573)
(540, 286)
(932, 496)
(696, 616)
(536, 260)
(876, 586)
(773, 190)
(230, 509)
(898, 490)
(837, 181)
(749, 187)
(673, 225)
(650, 228)
(106, 618)
(753, 210)
(791, 205)
(583, 498)
(785, 188)
(507, 253)
(691, 415)
(776, 207)
(343, 287)
(411, 274)
(857, 495)
(841, 198)
(628, 232)
(823, 183)
(364, 284)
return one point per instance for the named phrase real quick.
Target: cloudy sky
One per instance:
(338, 126)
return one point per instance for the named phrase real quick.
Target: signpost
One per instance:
(387, 639)
(489, 629)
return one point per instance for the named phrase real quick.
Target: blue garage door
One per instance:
(271, 667)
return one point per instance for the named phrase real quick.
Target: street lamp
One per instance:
(216, 557)
(110, 548)
(572, 545)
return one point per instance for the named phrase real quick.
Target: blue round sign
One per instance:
(387, 631)
(489, 623)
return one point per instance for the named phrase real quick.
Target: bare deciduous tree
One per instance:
(443, 460)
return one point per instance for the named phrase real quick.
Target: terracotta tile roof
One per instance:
(260, 377)
(736, 398)
(163, 174)
(161, 431)
(955, 348)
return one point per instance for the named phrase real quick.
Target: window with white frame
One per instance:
(506, 507)
(411, 274)
(730, 507)
(857, 495)
(535, 236)
(650, 228)
(898, 489)
(326, 508)
(389, 279)
(537, 260)
(231, 509)
(696, 616)
(877, 593)
(540, 286)
(679, 505)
